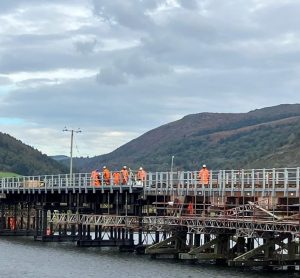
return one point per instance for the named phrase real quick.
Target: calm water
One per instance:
(22, 257)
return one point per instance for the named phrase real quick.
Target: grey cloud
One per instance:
(220, 56)
(159, 44)
(187, 38)
(141, 66)
(27, 40)
(83, 103)
(191, 4)
(131, 65)
(43, 57)
(26, 60)
(11, 5)
(87, 103)
(5, 81)
(279, 17)
(111, 76)
(86, 46)
(6, 6)
(131, 14)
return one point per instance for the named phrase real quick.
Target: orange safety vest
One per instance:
(125, 176)
(190, 209)
(12, 223)
(204, 176)
(95, 178)
(141, 175)
(106, 176)
(116, 176)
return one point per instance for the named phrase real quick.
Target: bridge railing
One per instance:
(264, 182)
(45, 182)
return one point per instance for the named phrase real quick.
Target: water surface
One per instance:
(22, 257)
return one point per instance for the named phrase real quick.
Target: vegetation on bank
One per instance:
(16, 157)
(8, 174)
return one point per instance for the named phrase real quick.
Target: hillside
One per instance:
(24, 160)
(59, 157)
(268, 137)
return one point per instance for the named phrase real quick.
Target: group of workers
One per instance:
(122, 177)
(117, 177)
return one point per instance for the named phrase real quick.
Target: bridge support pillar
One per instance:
(250, 243)
(206, 238)
(44, 222)
(197, 239)
(156, 237)
(269, 249)
(240, 245)
(221, 249)
(3, 218)
(291, 248)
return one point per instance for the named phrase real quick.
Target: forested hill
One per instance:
(268, 137)
(24, 160)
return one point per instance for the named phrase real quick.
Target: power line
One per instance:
(76, 147)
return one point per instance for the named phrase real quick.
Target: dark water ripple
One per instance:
(21, 257)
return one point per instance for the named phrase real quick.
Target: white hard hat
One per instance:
(104, 167)
(141, 168)
(124, 167)
(204, 166)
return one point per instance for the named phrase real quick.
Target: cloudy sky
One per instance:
(117, 68)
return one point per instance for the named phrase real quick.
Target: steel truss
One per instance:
(95, 220)
(241, 226)
(261, 204)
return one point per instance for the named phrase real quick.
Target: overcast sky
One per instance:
(117, 68)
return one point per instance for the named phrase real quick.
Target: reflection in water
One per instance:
(22, 257)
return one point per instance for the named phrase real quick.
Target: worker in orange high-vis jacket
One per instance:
(95, 178)
(124, 175)
(204, 175)
(141, 174)
(116, 177)
(106, 175)
(190, 208)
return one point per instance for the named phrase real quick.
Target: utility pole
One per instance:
(71, 148)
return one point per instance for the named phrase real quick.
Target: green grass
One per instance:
(8, 174)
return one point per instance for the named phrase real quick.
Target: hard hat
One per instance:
(141, 168)
(204, 166)
(124, 167)
(104, 167)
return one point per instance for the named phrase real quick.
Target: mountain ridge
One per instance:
(192, 139)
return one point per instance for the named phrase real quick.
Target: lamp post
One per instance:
(171, 173)
(172, 163)
(71, 148)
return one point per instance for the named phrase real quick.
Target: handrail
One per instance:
(264, 182)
